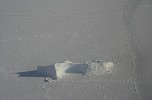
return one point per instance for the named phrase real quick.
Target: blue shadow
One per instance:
(32, 73)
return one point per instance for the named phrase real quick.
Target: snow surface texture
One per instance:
(59, 70)
(40, 32)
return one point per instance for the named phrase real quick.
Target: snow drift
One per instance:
(59, 70)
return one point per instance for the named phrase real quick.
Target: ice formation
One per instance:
(59, 70)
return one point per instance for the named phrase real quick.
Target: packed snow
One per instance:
(106, 45)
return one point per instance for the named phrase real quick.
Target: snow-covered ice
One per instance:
(37, 33)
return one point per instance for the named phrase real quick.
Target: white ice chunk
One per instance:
(59, 70)
(108, 66)
(95, 65)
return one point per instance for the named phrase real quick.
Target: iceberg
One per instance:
(59, 70)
